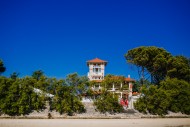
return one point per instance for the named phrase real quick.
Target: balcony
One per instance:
(96, 74)
(97, 66)
(96, 88)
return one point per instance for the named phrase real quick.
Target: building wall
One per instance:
(99, 75)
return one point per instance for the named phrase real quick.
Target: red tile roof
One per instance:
(117, 77)
(96, 60)
(98, 81)
(129, 79)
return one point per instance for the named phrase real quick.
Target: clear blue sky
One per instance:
(58, 37)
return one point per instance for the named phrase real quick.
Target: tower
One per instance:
(96, 69)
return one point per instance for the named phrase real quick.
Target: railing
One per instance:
(96, 73)
(97, 66)
(111, 89)
(96, 88)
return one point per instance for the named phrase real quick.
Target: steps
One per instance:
(90, 108)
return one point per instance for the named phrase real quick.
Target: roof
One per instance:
(96, 60)
(117, 77)
(98, 81)
(129, 79)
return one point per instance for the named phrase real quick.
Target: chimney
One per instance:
(128, 76)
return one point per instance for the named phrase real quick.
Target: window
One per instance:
(97, 68)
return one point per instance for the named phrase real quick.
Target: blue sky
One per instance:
(58, 37)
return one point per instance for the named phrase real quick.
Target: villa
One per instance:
(122, 86)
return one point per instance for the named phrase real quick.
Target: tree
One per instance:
(83, 86)
(138, 85)
(65, 101)
(42, 83)
(109, 80)
(17, 96)
(67, 96)
(37, 74)
(79, 84)
(179, 67)
(5, 84)
(179, 91)
(107, 102)
(53, 83)
(2, 68)
(14, 75)
(172, 95)
(28, 98)
(150, 61)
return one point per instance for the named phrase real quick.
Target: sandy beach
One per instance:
(161, 122)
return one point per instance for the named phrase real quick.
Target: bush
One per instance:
(66, 102)
(107, 102)
(172, 95)
(18, 98)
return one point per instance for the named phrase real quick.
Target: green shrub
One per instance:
(172, 95)
(18, 98)
(107, 102)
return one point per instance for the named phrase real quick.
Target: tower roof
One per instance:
(96, 60)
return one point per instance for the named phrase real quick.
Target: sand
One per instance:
(162, 122)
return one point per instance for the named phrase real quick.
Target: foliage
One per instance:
(78, 84)
(107, 102)
(137, 85)
(66, 98)
(90, 93)
(42, 83)
(159, 64)
(37, 74)
(172, 95)
(150, 59)
(18, 98)
(65, 102)
(179, 91)
(179, 67)
(109, 80)
(170, 73)
(14, 75)
(2, 68)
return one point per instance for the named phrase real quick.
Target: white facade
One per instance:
(96, 69)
